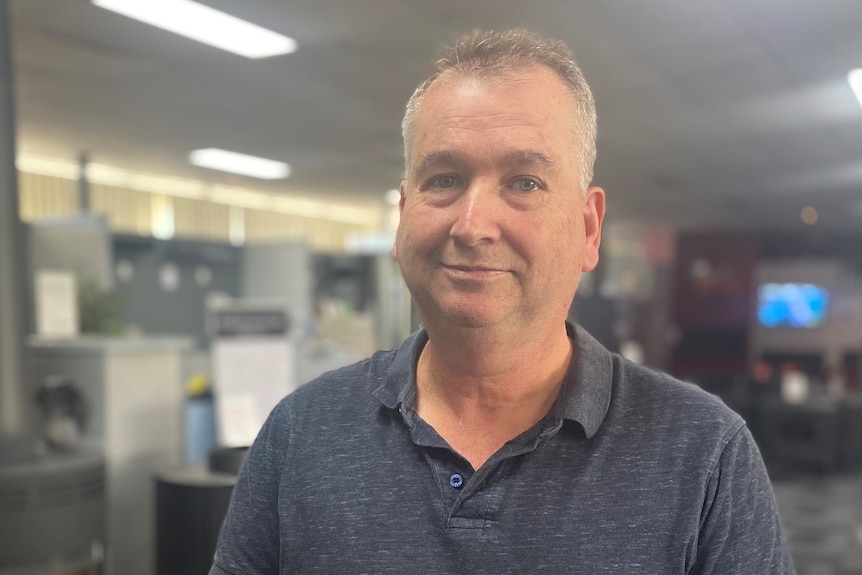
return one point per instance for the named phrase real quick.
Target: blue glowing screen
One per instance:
(791, 305)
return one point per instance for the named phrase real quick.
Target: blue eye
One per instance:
(444, 181)
(527, 185)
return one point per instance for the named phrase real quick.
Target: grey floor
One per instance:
(822, 517)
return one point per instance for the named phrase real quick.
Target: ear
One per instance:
(403, 189)
(594, 215)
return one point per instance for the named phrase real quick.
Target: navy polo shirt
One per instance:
(631, 471)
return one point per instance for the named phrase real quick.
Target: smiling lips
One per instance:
(476, 272)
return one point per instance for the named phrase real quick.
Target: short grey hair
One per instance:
(485, 54)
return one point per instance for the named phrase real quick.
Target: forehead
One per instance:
(535, 83)
(531, 105)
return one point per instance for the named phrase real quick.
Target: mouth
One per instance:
(473, 271)
(462, 268)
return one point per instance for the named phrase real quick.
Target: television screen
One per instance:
(791, 305)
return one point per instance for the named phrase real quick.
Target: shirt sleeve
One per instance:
(740, 532)
(248, 543)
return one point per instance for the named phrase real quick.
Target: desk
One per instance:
(825, 433)
(133, 389)
(850, 452)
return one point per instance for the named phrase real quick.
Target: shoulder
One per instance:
(639, 406)
(381, 380)
(339, 393)
(681, 416)
(662, 396)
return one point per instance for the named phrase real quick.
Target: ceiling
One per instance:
(711, 113)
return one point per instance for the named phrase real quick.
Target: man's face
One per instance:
(494, 229)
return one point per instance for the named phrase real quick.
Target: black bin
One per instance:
(191, 504)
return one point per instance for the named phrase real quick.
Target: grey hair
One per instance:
(485, 54)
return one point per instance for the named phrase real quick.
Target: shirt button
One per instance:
(455, 480)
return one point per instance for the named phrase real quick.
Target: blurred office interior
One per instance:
(159, 292)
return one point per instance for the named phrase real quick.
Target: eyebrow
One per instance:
(528, 158)
(437, 159)
(440, 158)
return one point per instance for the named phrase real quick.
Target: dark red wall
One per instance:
(713, 303)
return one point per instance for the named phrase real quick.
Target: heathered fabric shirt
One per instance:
(630, 472)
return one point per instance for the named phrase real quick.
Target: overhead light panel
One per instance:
(236, 163)
(233, 196)
(855, 79)
(204, 24)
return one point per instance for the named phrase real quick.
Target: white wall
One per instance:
(79, 244)
(279, 272)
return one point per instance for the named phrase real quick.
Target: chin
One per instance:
(471, 322)
(470, 318)
(460, 312)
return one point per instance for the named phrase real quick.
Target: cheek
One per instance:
(410, 241)
(422, 226)
(555, 235)
(563, 245)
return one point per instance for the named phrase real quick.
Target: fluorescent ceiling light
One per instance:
(855, 79)
(204, 24)
(111, 176)
(235, 163)
(56, 168)
(196, 189)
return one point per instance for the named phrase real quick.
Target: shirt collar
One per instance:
(590, 379)
(587, 393)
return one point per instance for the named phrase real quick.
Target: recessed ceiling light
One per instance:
(235, 163)
(809, 215)
(204, 24)
(855, 79)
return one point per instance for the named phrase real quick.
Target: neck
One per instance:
(479, 392)
(487, 373)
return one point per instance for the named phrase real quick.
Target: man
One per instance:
(499, 439)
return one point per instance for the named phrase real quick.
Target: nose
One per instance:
(477, 215)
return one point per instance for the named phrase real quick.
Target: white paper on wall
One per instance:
(56, 304)
(250, 376)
